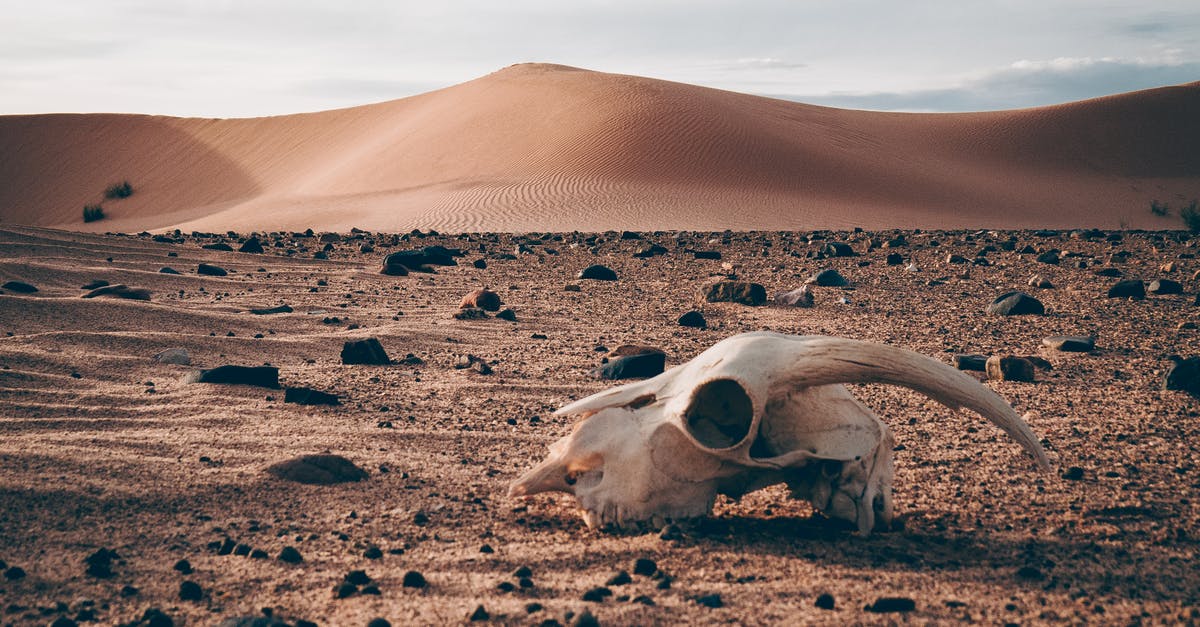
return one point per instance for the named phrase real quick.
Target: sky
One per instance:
(243, 58)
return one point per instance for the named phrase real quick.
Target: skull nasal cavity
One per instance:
(720, 414)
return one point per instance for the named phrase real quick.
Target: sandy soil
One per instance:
(104, 447)
(548, 147)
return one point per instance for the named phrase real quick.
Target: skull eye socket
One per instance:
(720, 414)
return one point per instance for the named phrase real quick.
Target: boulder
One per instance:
(743, 292)
(1162, 287)
(211, 270)
(598, 273)
(1070, 344)
(829, 278)
(19, 287)
(365, 352)
(318, 470)
(260, 376)
(251, 245)
(693, 319)
(482, 298)
(309, 396)
(1015, 304)
(1006, 368)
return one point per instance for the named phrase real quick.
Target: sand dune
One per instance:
(544, 147)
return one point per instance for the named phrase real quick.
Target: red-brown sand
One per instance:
(547, 147)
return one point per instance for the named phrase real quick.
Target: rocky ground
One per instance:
(129, 495)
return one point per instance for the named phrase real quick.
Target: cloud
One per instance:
(1025, 83)
(762, 63)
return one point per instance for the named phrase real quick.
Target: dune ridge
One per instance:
(537, 147)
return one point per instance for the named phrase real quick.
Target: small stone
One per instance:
(632, 367)
(309, 396)
(506, 586)
(481, 298)
(358, 577)
(267, 311)
(190, 591)
(596, 595)
(1163, 287)
(619, 579)
(894, 259)
(221, 246)
(742, 292)
(1070, 344)
(885, 605)
(479, 614)
(1074, 473)
(710, 600)
(379, 622)
(1039, 282)
(644, 566)
(183, 566)
(290, 555)
(177, 356)
(470, 313)
(480, 264)
(598, 273)
(571, 287)
(825, 601)
(1050, 257)
(128, 591)
(252, 246)
(19, 287)
(91, 285)
(534, 607)
(414, 579)
(799, 297)
(671, 532)
(1006, 368)
(1134, 289)
(585, 619)
(487, 548)
(344, 590)
(1016, 304)
(259, 376)
(829, 278)
(1184, 375)
(694, 320)
(322, 469)
(525, 583)
(154, 617)
(367, 352)
(168, 270)
(14, 573)
(211, 270)
(507, 314)
(523, 571)
(971, 362)
(420, 519)
(99, 564)
(1030, 573)
(119, 291)
(63, 621)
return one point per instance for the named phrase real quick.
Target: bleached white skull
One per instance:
(753, 410)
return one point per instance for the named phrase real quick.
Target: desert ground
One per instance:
(115, 467)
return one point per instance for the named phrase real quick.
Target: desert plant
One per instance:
(118, 190)
(1159, 208)
(1191, 216)
(91, 213)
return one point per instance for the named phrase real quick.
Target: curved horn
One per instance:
(783, 360)
(636, 393)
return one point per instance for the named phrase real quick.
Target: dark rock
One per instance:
(190, 591)
(290, 555)
(1133, 288)
(251, 245)
(309, 396)
(367, 352)
(183, 566)
(523, 571)
(128, 591)
(154, 617)
(63, 621)
(373, 553)
(1016, 304)
(632, 367)
(252, 621)
(94, 284)
(825, 601)
(742, 292)
(261, 376)
(119, 291)
(885, 605)
(414, 579)
(1184, 375)
(627, 235)
(596, 595)
(479, 614)
(272, 310)
(1050, 257)
(693, 319)
(14, 573)
(971, 362)
(644, 566)
(597, 273)
(585, 619)
(1005, 368)
(955, 259)
(829, 278)
(177, 356)
(19, 287)
(344, 589)
(1070, 344)
(652, 250)
(1163, 287)
(619, 579)
(838, 249)
(894, 259)
(358, 577)
(481, 298)
(222, 246)
(471, 362)
(707, 254)
(402, 262)
(1074, 473)
(1030, 573)
(211, 270)
(324, 469)
(480, 263)
(507, 314)
(710, 600)
(168, 270)
(379, 622)
(470, 313)
(1111, 273)
(99, 564)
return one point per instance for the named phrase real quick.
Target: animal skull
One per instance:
(753, 410)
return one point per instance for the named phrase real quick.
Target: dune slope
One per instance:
(544, 147)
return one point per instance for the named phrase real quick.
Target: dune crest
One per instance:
(545, 147)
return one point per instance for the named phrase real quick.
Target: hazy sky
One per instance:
(234, 58)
